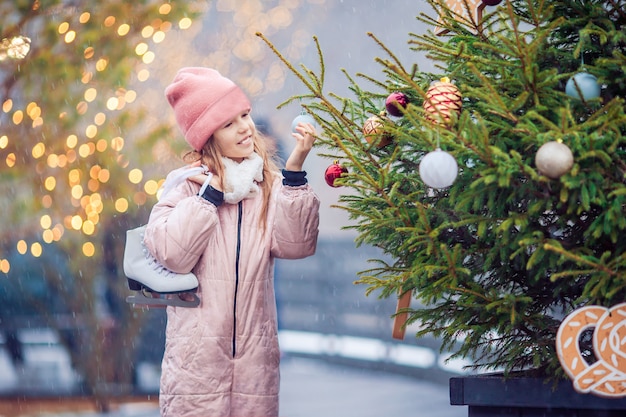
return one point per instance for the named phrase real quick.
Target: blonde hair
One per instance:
(211, 156)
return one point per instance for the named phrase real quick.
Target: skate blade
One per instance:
(140, 300)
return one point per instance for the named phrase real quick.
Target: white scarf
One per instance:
(241, 178)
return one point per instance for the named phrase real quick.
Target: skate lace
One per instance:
(153, 263)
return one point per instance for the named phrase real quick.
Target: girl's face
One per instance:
(235, 140)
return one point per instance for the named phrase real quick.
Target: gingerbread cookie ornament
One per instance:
(607, 376)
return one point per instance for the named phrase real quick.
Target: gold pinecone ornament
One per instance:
(442, 100)
(374, 130)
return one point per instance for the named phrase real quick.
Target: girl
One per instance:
(227, 227)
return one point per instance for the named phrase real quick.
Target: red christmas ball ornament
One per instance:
(333, 172)
(395, 102)
(374, 130)
(442, 100)
(491, 2)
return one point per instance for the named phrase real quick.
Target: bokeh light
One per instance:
(135, 176)
(46, 201)
(91, 131)
(18, 116)
(70, 36)
(89, 52)
(184, 23)
(89, 227)
(21, 246)
(117, 144)
(76, 222)
(10, 160)
(45, 221)
(101, 65)
(36, 249)
(147, 31)
(123, 29)
(38, 150)
(90, 94)
(63, 27)
(5, 266)
(143, 75)
(151, 187)
(112, 103)
(165, 8)
(158, 37)
(109, 21)
(99, 119)
(121, 205)
(89, 249)
(104, 175)
(50, 183)
(48, 236)
(141, 48)
(77, 192)
(148, 57)
(71, 141)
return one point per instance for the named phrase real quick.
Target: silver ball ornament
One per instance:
(438, 169)
(554, 159)
(587, 84)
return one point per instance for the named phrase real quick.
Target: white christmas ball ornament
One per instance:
(587, 83)
(438, 169)
(554, 159)
(302, 117)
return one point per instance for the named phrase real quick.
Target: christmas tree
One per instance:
(497, 184)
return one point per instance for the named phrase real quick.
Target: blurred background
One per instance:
(87, 137)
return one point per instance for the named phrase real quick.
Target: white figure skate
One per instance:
(156, 285)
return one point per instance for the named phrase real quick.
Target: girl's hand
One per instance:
(201, 178)
(305, 138)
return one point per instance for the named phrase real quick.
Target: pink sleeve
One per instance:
(296, 222)
(178, 228)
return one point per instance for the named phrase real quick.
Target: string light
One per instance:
(16, 48)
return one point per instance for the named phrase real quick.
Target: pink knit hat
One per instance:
(203, 101)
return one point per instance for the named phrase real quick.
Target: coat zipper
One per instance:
(238, 253)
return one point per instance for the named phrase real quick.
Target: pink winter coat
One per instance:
(222, 358)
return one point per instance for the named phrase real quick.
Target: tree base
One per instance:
(494, 395)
